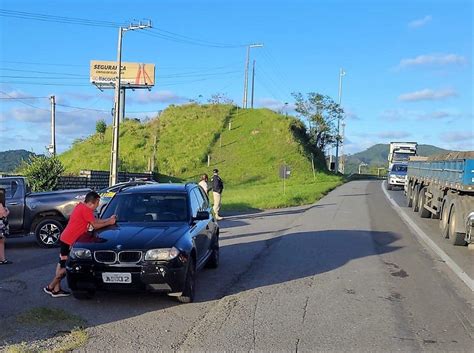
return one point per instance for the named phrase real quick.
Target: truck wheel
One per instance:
(456, 238)
(389, 187)
(416, 195)
(47, 232)
(444, 222)
(409, 194)
(423, 212)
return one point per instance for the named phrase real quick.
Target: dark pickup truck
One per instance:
(44, 213)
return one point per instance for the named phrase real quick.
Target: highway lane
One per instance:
(461, 255)
(344, 274)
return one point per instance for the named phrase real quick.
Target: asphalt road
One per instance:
(345, 274)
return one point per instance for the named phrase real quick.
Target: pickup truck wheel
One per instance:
(416, 195)
(189, 286)
(423, 212)
(47, 232)
(456, 238)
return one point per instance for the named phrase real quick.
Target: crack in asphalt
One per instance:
(253, 322)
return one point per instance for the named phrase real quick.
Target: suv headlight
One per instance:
(79, 253)
(161, 254)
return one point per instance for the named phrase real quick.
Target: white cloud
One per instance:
(393, 134)
(427, 94)
(420, 22)
(436, 115)
(351, 115)
(457, 136)
(157, 97)
(433, 60)
(274, 104)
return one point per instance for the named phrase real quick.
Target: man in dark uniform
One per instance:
(217, 188)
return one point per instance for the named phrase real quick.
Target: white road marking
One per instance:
(463, 276)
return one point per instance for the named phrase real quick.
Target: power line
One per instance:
(25, 98)
(58, 19)
(25, 103)
(43, 72)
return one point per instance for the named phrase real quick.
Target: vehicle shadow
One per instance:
(292, 256)
(244, 266)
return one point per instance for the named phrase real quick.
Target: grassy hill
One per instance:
(12, 159)
(248, 155)
(377, 155)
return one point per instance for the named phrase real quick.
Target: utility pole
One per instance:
(52, 146)
(153, 158)
(341, 73)
(122, 105)
(113, 178)
(253, 84)
(246, 76)
(343, 157)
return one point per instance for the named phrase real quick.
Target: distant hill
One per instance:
(377, 155)
(11, 160)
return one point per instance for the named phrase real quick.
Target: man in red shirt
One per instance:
(82, 217)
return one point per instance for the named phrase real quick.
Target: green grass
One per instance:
(73, 340)
(53, 319)
(248, 155)
(45, 315)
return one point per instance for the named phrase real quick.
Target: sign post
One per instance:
(285, 172)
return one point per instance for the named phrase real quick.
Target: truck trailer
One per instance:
(442, 187)
(400, 152)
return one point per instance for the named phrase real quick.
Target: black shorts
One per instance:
(64, 249)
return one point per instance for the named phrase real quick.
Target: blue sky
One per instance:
(408, 63)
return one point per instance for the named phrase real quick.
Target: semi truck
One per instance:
(442, 187)
(400, 152)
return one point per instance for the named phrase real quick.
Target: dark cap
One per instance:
(215, 171)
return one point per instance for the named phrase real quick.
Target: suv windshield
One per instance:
(399, 168)
(148, 207)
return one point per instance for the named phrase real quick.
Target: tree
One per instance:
(220, 98)
(321, 112)
(100, 128)
(43, 172)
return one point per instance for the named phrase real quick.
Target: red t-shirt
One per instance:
(80, 218)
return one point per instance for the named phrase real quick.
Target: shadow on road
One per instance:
(294, 256)
(244, 266)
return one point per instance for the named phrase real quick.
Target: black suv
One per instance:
(107, 193)
(164, 234)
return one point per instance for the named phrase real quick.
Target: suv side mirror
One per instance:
(201, 216)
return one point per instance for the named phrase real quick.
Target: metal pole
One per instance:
(343, 158)
(122, 105)
(246, 78)
(115, 146)
(253, 84)
(341, 73)
(53, 126)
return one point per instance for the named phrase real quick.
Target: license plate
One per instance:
(116, 277)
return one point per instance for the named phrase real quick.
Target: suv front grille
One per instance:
(105, 256)
(129, 256)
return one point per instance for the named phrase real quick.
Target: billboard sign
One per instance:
(135, 75)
